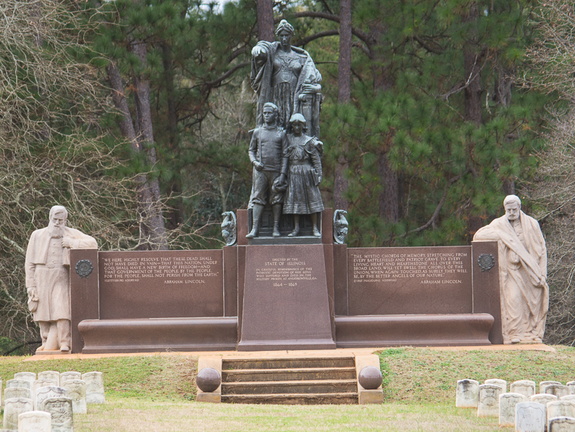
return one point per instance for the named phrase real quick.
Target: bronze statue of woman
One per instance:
(287, 76)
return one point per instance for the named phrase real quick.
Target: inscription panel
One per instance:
(409, 280)
(284, 272)
(161, 284)
(285, 298)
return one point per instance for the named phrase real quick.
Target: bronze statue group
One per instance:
(286, 161)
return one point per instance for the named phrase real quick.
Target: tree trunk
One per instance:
(154, 221)
(344, 63)
(152, 231)
(503, 97)
(265, 13)
(472, 59)
(344, 96)
(388, 199)
(175, 215)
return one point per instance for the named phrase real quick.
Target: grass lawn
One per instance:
(157, 392)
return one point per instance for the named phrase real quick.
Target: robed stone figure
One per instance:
(522, 273)
(47, 278)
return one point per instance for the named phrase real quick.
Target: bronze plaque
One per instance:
(161, 284)
(410, 280)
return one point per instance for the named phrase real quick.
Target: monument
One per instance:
(523, 272)
(285, 278)
(47, 281)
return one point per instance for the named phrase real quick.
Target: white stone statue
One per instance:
(522, 272)
(47, 278)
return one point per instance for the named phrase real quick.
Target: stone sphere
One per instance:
(208, 379)
(370, 378)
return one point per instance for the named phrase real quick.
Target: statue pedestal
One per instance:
(286, 299)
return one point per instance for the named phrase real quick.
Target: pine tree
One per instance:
(179, 53)
(437, 134)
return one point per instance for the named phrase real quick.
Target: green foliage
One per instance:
(192, 50)
(409, 117)
(10, 347)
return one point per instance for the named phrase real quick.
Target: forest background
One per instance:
(135, 115)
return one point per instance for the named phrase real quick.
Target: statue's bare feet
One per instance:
(294, 233)
(253, 233)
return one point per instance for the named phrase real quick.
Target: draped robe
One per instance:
(522, 277)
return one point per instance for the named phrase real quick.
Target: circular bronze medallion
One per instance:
(84, 268)
(486, 262)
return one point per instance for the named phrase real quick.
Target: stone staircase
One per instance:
(320, 380)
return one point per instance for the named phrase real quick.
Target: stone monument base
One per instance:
(150, 335)
(286, 301)
(51, 352)
(289, 295)
(414, 329)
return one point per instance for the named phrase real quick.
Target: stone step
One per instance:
(288, 363)
(294, 399)
(297, 374)
(290, 380)
(290, 387)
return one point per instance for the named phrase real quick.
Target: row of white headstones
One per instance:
(48, 401)
(551, 409)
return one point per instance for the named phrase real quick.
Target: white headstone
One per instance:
(557, 390)
(488, 405)
(544, 384)
(62, 413)
(524, 387)
(27, 376)
(39, 384)
(95, 387)
(467, 393)
(17, 392)
(53, 376)
(543, 399)
(571, 385)
(13, 407)
(44, 393)
(501, 383)
(530, 417)
(507, 402)
(560, 408)
(562, 424)
(77, 392)
(19, 383)
(570, 397)
(65, 376)
(35, 421)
